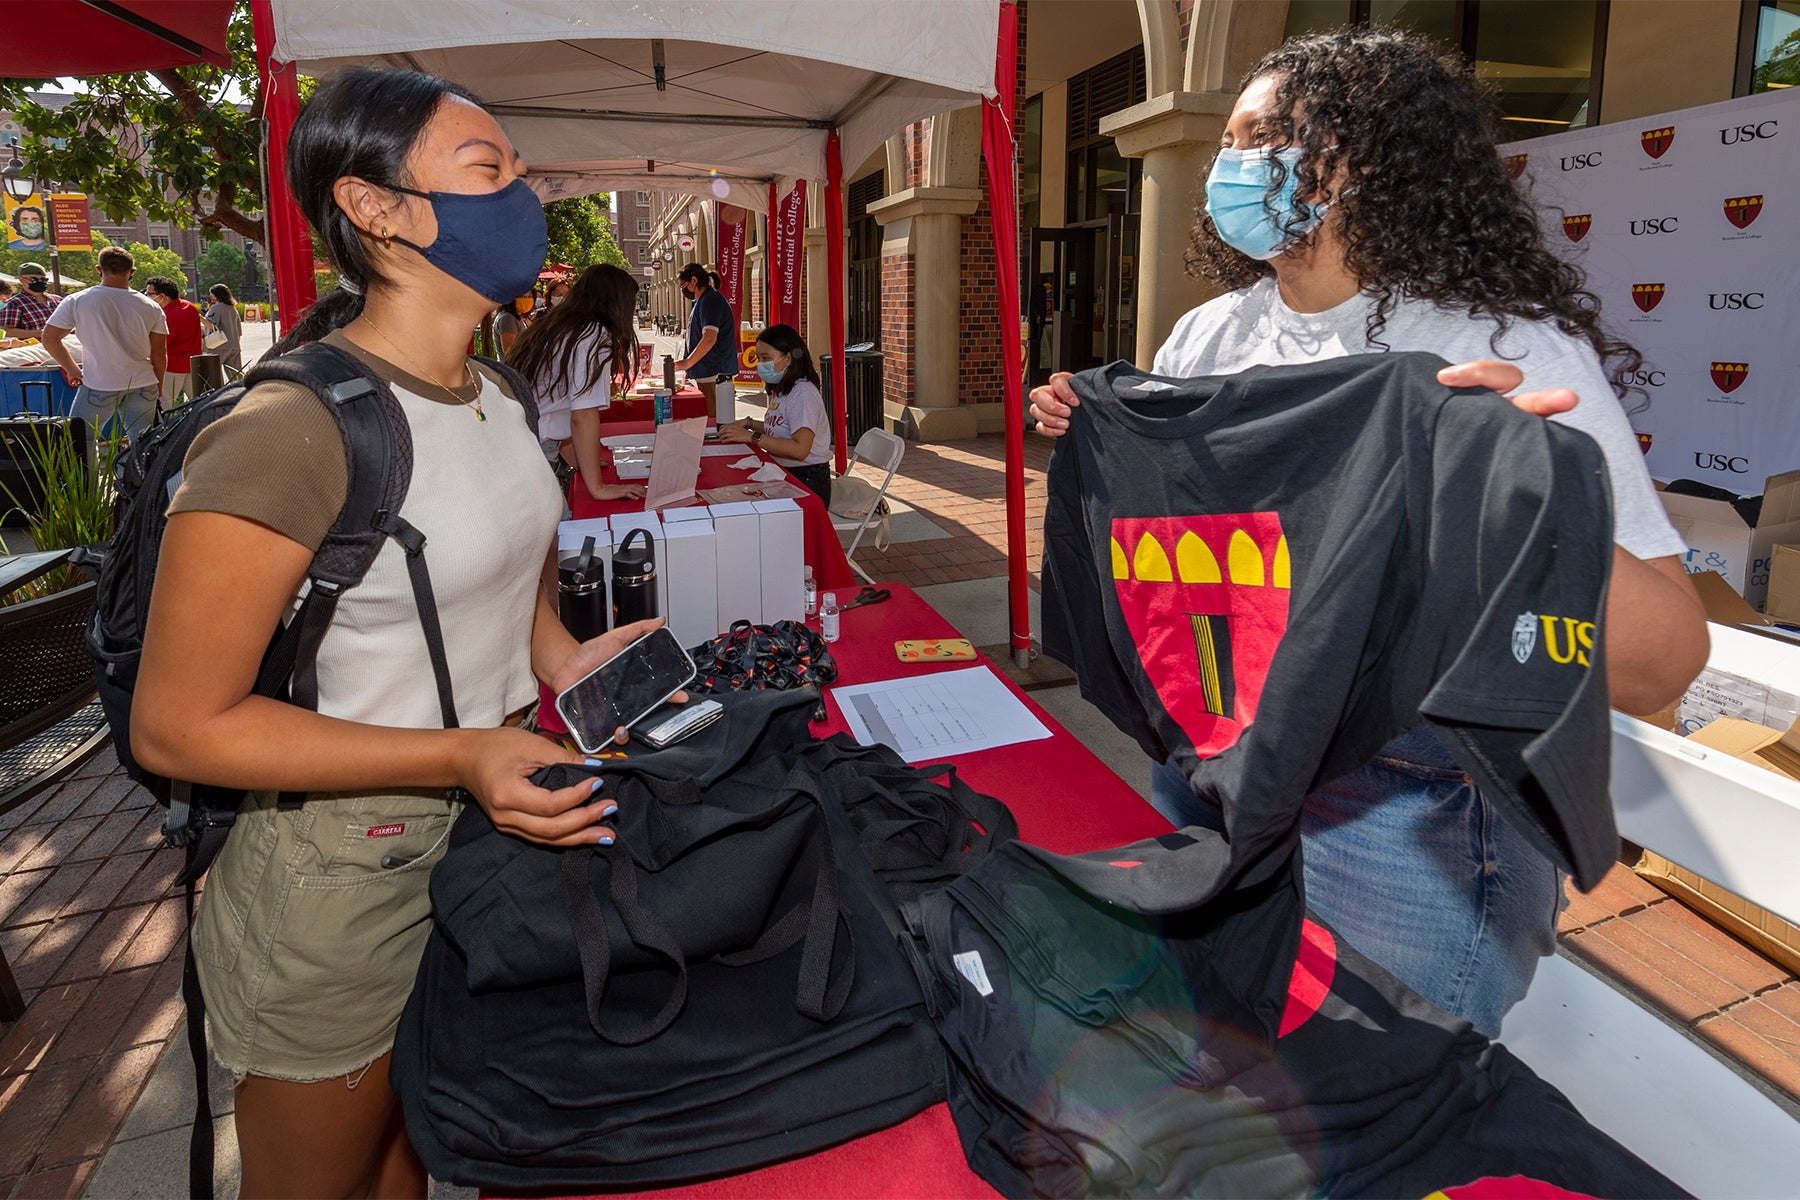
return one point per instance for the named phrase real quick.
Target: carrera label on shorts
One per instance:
(394, 830)
(974, 970)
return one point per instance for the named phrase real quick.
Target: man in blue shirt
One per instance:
(711, 360)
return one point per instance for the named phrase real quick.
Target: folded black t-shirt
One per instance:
(1267, 576)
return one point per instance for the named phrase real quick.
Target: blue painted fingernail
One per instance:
(609, 810)
(593, 762)
(596, 786)
(606, 839)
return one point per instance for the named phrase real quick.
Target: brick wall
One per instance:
(979, 318)
(897, 328)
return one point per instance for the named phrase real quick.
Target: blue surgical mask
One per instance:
(770, 373)
(493, 241)
(1235, 194)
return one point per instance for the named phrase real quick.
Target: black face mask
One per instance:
(39, 285)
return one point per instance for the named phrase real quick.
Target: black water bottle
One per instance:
(634, 579)
(669, 372)
(581, 583)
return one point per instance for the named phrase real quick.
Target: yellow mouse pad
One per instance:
(928, 650)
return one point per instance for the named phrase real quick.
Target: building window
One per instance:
(644, 254)
(9, 139)
(643, 227)
(643, 199)
(159, 241)
(1031, 163)
(864, 307)
(1543, 60)
(1101, 182)
(1775, 38)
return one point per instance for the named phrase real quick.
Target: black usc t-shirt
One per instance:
(1267, 576)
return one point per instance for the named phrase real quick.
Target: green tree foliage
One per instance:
(1781, 68)
(166, 143)
(581, 233)
(220, 263)
(80, 265)
(157, 262)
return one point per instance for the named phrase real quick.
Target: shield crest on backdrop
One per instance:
(1729, 375)
(1644, 440)
(1205, 599)
(1525, 635)
(1742, 210)
(1656, 142)
(1576, 228)
(1515, 165)
(1647, 295)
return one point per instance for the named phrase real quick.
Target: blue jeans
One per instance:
(132, 410)
(1407, 861)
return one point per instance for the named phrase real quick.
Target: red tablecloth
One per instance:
(1065, 799)
(688, 403)
(824, 553)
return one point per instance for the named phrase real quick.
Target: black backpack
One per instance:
(378, 455)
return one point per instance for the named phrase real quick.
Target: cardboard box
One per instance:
(783, 560)
(693, 573)
(624, 523)
(1771, 749)
(1768, 934)
(1719, 540)
(1783, 603)
(1725, 607)
(737, 547)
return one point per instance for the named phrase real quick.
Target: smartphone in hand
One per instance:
(621, 690)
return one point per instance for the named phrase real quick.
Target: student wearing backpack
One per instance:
(314, 915)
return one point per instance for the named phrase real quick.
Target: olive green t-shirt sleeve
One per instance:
(276, 459)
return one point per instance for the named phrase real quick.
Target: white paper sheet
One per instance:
(628, 441)
(675, 466)
(768, 473)
(748, 462)
(934, 716)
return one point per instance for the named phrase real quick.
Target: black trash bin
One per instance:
(862, 390)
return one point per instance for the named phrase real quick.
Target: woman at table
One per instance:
(796, 429)
(578, 355)
(314, 918)
(1357, 205)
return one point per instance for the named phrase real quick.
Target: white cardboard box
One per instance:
(693, 574)
(737, 544)
(569, 537)
(1719, 540)
(624, 523)
(783, 557)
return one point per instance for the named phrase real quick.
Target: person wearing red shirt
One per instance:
(184, 335)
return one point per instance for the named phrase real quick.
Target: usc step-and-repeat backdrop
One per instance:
(1688, 228)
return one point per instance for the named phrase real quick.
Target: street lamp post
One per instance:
(19, 186)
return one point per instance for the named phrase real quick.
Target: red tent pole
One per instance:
(290, 246)
(834, 258)
(998, 150)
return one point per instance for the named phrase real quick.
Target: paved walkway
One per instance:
(91, 924)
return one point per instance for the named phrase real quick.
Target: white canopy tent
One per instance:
(671, 95)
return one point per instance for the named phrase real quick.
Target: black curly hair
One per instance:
(1431, 213)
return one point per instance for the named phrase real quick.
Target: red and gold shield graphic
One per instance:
(1576, 228)
(1206, 601)
(1730, 376)
(1647, 295)
(1741, 210)
(1644, 440)
(1515, 165)
(1656, 142)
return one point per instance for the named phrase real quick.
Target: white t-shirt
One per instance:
(114, 325)
(801, 408)
(554, 410)
(1254, 327)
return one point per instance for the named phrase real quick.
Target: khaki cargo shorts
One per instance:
(310, 930)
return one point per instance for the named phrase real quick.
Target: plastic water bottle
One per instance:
(812, 591)
(828, 616)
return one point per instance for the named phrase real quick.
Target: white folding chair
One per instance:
(881, 450)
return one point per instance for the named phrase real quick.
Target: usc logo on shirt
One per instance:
(1566, 639)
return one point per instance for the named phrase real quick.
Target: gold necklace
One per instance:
(468, 372)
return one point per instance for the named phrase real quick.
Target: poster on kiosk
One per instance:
(1687, 226)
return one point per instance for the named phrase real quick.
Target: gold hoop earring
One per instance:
(387, 239)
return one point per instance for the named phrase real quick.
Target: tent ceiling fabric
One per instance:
(750, 91)
(50, 38)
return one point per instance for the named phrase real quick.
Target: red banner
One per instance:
(789, 238)
(69, 218)
(732, 222)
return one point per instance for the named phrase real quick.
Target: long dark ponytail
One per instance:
(604, 298)
(363, 122)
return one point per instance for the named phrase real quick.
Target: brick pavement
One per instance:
(91, 921)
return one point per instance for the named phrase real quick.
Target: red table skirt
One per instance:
(824, 553)
(688, 403)
(1065, 799)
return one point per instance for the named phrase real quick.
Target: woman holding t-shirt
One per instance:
(1358, 205)
(310, 929)
(577, 354)
(796, 429)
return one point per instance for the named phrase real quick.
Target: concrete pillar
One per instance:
(925, 224)
(1175, 134)
(817, 316)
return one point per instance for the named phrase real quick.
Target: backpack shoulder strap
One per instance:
(518, 385)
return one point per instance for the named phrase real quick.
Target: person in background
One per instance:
(1357, 205)
(578, 354)
(185, 336)
(556, 293)
(124, 348)
(509, 322)
(29, 309)
(797, 428)
(222, 315)
(711, 358)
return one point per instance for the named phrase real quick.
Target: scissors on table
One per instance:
(869, 595)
